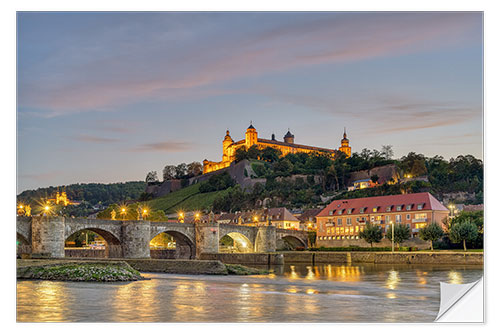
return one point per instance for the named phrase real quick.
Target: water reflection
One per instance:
(49, 298)
(393, 280)
(455, 277)
(300, 292)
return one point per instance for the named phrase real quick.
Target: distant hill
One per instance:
(92, 193)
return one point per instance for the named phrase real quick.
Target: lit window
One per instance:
(357, 229)
(372, 218)
(375, 209)
(421, 216)
(379, 218)
(338, 230)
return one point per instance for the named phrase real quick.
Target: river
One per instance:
(293, 293)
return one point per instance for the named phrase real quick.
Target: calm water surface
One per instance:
(293, 293)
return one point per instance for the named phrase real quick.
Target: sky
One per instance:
(107, 97)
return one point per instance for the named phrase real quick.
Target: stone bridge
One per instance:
(130, 239)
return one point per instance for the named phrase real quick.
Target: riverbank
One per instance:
(113, 271)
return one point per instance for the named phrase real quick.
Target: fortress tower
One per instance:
(225, 147)
(250, 136)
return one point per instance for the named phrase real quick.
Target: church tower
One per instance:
(344, 145)
(225, 147)
(250, 136)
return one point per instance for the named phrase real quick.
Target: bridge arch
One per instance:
(184, 246)
(290, 242)
(241, 243)
(113, 248)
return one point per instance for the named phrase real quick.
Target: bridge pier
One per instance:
(207, 238)
(135, 239)
(266, 239)
(47, 236)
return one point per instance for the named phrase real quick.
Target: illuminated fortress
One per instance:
(286, 146)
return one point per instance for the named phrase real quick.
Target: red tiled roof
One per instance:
(414, 199)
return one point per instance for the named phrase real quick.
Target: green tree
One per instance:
(431, 232)
(168, 172)
(463, 232)
(387, 151)
(253, 152)
(401, 233)
(151, 177)
(283, 167)
(270, 154)
(240, 154)
(181, 171)
(476, 217)
(194, 169)
(371, 234)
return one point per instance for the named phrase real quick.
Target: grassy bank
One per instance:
(78, 271)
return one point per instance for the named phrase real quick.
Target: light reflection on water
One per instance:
(293, 293)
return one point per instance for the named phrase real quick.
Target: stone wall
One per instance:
(165, 254)
(246, 258)
(47, 234)
(444, 258)
(84, 253)
(178, 266)
(135, 239)
(412, 242)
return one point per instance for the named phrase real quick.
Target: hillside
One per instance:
(92, 193)
(187, 199)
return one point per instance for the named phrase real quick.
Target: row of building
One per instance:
(344, 219)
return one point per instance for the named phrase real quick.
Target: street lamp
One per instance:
(123, 211)
(181, 217)
(392, 227)
(452, 210)
(197, 217)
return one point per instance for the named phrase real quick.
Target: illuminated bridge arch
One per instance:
(184, 246)
(241, 243)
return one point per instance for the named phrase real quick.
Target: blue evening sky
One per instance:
(107, 97)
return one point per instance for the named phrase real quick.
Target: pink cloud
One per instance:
(324, 41)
